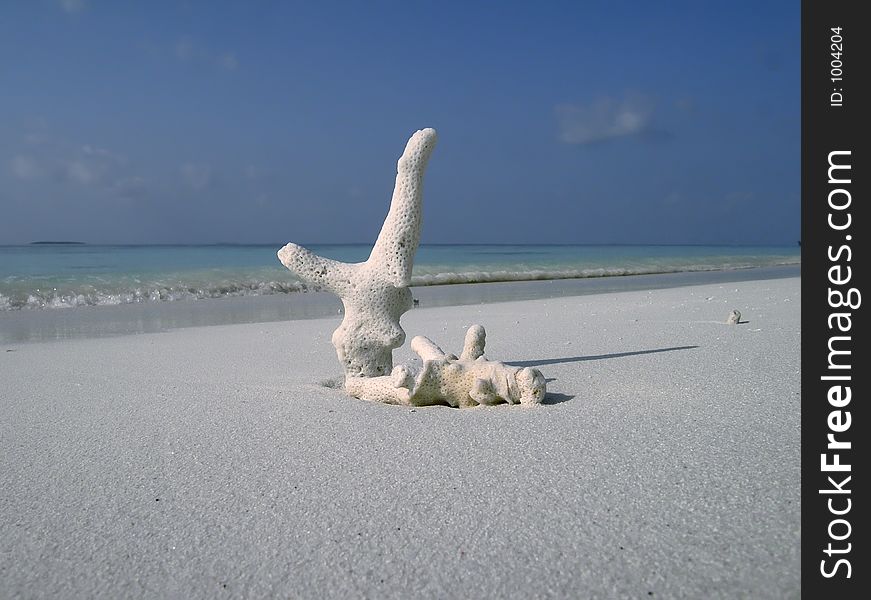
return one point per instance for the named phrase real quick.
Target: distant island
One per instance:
(57, 243)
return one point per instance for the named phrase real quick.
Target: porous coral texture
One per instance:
(470, 380)
(374, 293)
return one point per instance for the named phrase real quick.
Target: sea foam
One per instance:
(26, 295)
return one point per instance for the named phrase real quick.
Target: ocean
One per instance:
(63, 276)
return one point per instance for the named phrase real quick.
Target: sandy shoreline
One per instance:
(210, 461)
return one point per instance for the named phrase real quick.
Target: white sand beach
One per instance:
(212, 462)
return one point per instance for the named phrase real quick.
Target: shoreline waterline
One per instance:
(59, 277)
(23, 326)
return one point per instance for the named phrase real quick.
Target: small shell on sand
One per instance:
(734, 317)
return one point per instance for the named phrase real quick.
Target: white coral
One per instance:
(375, 293)
(469, 380)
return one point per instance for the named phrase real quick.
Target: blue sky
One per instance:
(249, 122)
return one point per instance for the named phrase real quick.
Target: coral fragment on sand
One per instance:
(465, 381)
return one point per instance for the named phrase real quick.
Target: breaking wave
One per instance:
(89, 295)
(22, 294)
(546, 274)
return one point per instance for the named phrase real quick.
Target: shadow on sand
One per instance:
(556, 397)
(556, 361)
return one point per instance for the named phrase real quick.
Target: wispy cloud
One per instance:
(254, 172)
(25, 167)
(604, 119)
(79, 171)
(187, 50)
(196, 176)
(51, 160)
(128, 188)
(88, 165)
(73, 6)
(35, 138)
(228, 61)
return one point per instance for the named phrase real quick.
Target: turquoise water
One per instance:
(64, 276)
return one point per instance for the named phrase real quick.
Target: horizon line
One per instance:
(796, 244)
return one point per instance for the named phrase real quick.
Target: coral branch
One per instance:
(393, 252)
(321, 273)
(375, 293)
(473, 346)
(426, 349)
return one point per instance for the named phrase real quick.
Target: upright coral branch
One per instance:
(393, 252)
(473, 344)
(375, 293)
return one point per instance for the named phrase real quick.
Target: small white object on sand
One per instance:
(734, 317)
